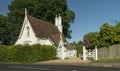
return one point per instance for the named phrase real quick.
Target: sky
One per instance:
(90, 15)
(4, 6)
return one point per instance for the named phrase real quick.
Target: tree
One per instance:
(108, 35)
(42, 9)
(106, 32)
(79, 48)
(5, 30)
(117, 37)
(73, 43)
(91, 39)
(2, 27)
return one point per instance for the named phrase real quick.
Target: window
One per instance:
(28, 30)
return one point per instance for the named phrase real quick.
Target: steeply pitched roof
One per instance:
(44, 29)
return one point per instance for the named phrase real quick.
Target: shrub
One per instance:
(3, 53)
(48, 52)
(11, 53)
(26, 53)
(37, 52)
(23, 53)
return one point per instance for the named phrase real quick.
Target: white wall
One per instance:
(23, 37)
(31, 39)
(44, 41)
(61, 52)
(67, 53)
(71, 53)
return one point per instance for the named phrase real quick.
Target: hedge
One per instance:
(3, 53)
(26, 53)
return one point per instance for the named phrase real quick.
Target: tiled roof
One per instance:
(44, 29)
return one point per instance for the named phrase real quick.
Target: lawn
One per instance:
(115, 60)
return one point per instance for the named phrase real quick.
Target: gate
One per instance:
(90, 54)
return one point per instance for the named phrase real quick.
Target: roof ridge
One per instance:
(43, 21)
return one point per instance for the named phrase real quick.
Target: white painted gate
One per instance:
(90, 54)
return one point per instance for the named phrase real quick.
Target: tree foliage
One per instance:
(110, 34)
(2, 27)
(78, 46)
(107, 36)
(91, 39)
(6, 28)
(107, 32)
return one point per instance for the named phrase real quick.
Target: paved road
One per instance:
(40, 67)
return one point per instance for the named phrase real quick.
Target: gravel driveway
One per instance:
(66, 61)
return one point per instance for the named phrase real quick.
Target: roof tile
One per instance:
(44, 29)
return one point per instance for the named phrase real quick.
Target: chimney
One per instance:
(25, 11)
(58, 22)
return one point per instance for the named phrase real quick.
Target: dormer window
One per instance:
(28, 30)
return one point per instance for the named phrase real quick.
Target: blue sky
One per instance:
(4, 6)
(90, 15)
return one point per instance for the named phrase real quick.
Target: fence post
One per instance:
(84, 53)
(96, 53)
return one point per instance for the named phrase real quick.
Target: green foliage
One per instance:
(110, 34)
(114, 60)
(37, 52)
(117, 36)
(107, 33)
(26, 53)
(11, 53)
(6, 34)
(79, 48)
(92, 39)
(23, 53)
(3, 53)
(107, 36)
(48, 53)
(3, 26)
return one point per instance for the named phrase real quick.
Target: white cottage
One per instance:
(36, 31)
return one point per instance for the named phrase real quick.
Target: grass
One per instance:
(115, 60)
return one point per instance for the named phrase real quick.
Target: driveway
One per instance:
(65, 61)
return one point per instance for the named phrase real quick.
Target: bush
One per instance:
(3, 53)
(79, 50)
(11, 53)
(23, 53)
(26, 53)
(48, 53)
